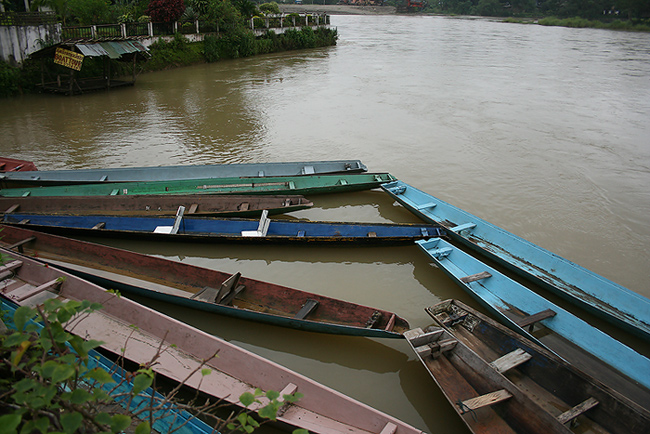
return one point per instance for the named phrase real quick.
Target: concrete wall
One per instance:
(18, 42)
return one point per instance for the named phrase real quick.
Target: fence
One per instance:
(130, 30)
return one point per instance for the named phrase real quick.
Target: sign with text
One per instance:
(68, 58)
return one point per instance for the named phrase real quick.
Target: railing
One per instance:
(129, 30)
(27, 18)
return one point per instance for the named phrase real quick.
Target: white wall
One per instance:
(18, 42)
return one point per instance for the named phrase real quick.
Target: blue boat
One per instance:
(576, 284)
(178, 173)
(522, 310)
(169, 418)
(265, 230)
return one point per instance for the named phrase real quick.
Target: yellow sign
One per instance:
(68, 58)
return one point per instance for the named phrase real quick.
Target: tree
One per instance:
(165, 11)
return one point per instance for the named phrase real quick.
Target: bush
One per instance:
(9, 80)
(165, 11)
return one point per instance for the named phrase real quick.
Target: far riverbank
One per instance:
(337, 9)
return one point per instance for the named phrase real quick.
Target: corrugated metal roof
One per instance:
(112, 49)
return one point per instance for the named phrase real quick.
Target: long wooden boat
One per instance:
(262, 231)
(177, 173)
(168, 418)
(521, 309)
(13, 165)
(185, 285)
(139, 333)
(205, 205)
(576, 284)
(499, 381)
(315, 184)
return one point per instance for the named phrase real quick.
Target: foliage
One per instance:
(165, 11)
(246, 8)
(87, 12)
(9, 78)
(177, 52)
(48, 383)
(270, 8)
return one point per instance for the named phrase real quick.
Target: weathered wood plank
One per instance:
(510, 360)
(474, 277)
(577, 410)
(28, 291)
(484, 400)
(532, 319)
(307, 308)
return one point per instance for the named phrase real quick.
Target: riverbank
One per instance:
(338, 9)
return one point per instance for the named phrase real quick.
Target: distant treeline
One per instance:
(635, 11)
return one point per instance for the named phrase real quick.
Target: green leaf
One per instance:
(22, 315)
(206, 371)
(246, 399)
(47, 370)
(272, 395)
(71, 421)
(143, 428)
(120, 422)
(141, 382)
(103, 418)
(14, 339)
(24, 385)
(9, 423)
(100, 375)
(80, 396)
(268, 412)
(293, 398)
(300, 431)
(62, 373)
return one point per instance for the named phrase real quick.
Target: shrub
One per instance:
(165, 11)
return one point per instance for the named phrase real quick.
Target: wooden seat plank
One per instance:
(532, 319)
(308, 307)
(510, 360)
(100, 225)
(27, 291)
(577, 410)
(390, 428)
(12, 208)
(484, 400)
(474, 277)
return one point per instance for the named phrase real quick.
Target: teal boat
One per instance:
(576, 284)
(591, 350)
(175, 173)
(293, 185)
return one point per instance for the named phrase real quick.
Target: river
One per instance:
(540, 130)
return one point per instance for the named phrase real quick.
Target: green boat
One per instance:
(304, 185)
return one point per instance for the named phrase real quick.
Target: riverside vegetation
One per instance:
(234, 39)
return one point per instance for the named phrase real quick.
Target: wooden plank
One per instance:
(20, 243)
(23, 222)
(228, 298)
(100, 225)
(510, 360)
(390, 428)
(577, 410)
(484, 400)
(244, 206)
(193, 208)
(227, 286)
(10, 266)
(474, 277)
(372, 234)
(207, 294)
(532, 319)
(307, 308)
(12, 208)
(21, 294)
(418, 338)
(391, 323)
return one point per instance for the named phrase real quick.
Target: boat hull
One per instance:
(287, 185)
(553, 384)
(176, 173)
(206, 205)
(175, 282)
(184, 353)
(280, 231)
(576, 284)
(614, 363)
(12, 165)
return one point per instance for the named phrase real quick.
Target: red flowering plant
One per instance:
(165, 11)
